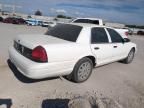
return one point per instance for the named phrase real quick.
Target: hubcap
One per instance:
(130, 56)
(84, 71)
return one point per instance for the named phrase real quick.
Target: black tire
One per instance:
(82, 70)
(130, 57)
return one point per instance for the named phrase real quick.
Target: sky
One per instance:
(121, 11)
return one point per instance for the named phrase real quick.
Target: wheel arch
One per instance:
(133, 48)
(91, 57)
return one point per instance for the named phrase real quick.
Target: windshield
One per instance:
(65, 31)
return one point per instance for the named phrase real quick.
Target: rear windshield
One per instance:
(65, 31)
(87, 21)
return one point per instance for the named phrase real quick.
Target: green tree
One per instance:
(63, 16)
(38, 13)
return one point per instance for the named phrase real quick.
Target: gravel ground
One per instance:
(112, 83)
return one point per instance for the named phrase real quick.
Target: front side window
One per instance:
(115, 37)
(65, 31)
(98, 35)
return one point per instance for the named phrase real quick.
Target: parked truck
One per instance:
(120, 29)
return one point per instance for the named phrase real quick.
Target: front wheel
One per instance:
(82, 70)
(130, 57)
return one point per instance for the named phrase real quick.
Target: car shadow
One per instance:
(6, 102)
(55, 103)
(23, 78)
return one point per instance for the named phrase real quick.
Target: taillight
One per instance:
(39, 54)
(126, 33)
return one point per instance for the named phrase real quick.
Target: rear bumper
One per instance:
(36, 70)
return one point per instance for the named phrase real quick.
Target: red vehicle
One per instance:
(14, 20)
(140, 32)
(9, 20)
(21, 21)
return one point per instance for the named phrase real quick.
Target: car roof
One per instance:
(89, 25)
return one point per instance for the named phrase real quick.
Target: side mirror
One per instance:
(125, 40)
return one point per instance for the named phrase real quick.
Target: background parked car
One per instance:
(130, 32)
(88, 20)
(9, 20)
(21, 21)
(122, 31)
(45, 24)
(48, 24)
(140, 32)
(34, 22)
(14, 20)
(1, 19)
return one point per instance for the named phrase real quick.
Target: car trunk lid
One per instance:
(32, 41)
(25, 44)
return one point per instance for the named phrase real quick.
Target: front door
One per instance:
(119, 49)
(100, 46)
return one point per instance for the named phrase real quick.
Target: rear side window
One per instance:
(98, 35)
(65, 31)
(115, 37)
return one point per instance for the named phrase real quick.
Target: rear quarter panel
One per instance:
(128, 47)
(67, 52)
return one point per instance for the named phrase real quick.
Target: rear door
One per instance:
(100, 45)
(119, 48)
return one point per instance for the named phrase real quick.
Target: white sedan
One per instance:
(69, 49)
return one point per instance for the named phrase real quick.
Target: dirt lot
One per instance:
(121, 82)
(10, 31)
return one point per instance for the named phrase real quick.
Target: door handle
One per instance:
(115, 46)
(96, 48)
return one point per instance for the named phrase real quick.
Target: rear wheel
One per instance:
(82, 70)
(130, 57)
